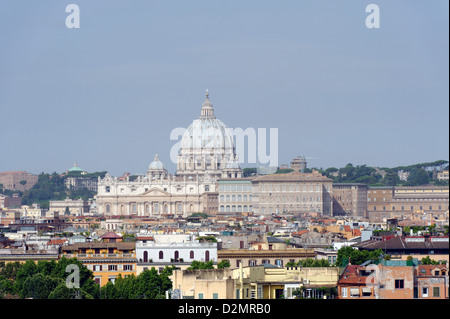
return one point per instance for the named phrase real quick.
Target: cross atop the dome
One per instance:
(207, 93)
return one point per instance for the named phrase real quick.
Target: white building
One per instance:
(178, 250)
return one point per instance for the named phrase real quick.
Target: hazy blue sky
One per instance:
(108, 94)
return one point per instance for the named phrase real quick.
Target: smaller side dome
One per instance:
(156, 164)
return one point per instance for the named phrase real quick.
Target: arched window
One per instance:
(222, 209)
(108, 208)
(207, 255)
(161, 254)
(145, 256)
(191, 254)
(176, 255)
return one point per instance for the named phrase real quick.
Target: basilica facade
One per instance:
(207, 154)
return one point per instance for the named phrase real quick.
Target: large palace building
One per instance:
(207, 154)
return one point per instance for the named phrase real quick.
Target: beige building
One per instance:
(442, 176)
(256, 256)
(235, 195)
(255, 282)
(405, 202)
(202, 284)
(268, 282)
(292, 192)
(350, 200)
(77, 207)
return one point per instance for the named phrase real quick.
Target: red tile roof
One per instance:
(301, 232)
(110, 235)
(56, 242)
(428, 270)
(351, 276)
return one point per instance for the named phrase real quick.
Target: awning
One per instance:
(354, 291)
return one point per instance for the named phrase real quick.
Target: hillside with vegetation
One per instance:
(52, 187)
(419, 174)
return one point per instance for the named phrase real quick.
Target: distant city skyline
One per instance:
(108, 95)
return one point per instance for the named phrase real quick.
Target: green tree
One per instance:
(223, 264)
(357, 257)
(201, 265)
(391, 178)
(39, 286)
(417, 177)
(150, 285)
(26, 271)
(428, 261)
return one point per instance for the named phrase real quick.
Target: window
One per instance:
(107, 189)
(97, 267)
(145, 256)
(436, 292)
(399, 284)
(112, 267)
(200, 295)
(161, 254)
(191, 254)
(425, 292)
(344, 292)
(354, 292)
(215, 295)
(128, 267)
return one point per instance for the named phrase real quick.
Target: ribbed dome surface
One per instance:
(207, 133)
(156, 164)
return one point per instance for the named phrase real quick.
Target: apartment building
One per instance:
(106, 259)
(394, 279)
(179, 250)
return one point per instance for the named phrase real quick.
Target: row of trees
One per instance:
(46, 280)
(419, 174)
(356, 256)
(310, 262)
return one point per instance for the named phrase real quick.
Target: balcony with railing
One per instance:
(117, 255)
